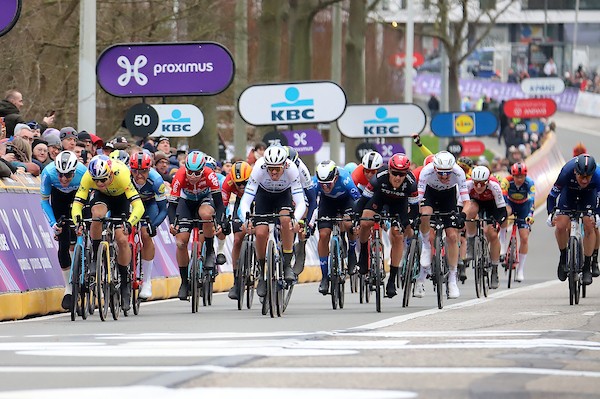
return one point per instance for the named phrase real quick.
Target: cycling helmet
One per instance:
(195, 161)
(66, 162)
(121, 155)
(210, 162)
(579, 149)
(480, 173)
(443, 161)
(275, 156)
(585, 165)
(428, 159)
(399, 161)
(140, 160)
(518, 169)
(292, 154)
(372, 160)
(100, 167)
(240, 172)
(350, 167)
(465, 162)
(327, 171)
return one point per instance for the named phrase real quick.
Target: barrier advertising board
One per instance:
(382, 120)
(542, 86)
(530, 108)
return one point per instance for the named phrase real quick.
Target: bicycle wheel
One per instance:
(76, 297)
(193, 278)
(90, 284)
(271, 279)
(409, 270)
(242, 277)
(574, 271)
(115, 286)
(512, 257)
(438, 270)
(333, 273)
(342, 280)
(102, 287)
(280, 287)
(378, 271)
(485, 261)
(251, 277)
(136, 281)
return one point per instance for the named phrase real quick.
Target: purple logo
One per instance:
(388, 149)
(165, 69)
(306, 142)
(11, 9)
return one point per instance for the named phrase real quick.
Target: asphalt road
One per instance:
(526, 342)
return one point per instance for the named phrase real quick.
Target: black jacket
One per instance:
(7, 108)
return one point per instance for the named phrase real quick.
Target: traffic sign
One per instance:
(542, 86)
(275, 138)
(305, 142)
(363, 148)
(454, 148)
(530, 108)
(464, 124)
(11, 9)
(141, 120)
(382, 120)
(397, 59)
(472, 148)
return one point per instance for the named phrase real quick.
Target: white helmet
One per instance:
(275, 155)
(480, 173)
(372, 160)
(66, 162)
(326, 172)
(444, 161)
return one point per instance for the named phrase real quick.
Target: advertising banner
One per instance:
(292, 103)
(11, 9)
(388, 149)
(178, 120)
(382, 120)
(542, 86)
(464, 124)
(305, 142)
(165, 69)
(530, 108)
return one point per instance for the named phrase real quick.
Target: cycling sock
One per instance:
(522, 258)
(503, 241)
(66, 273)
(352, 245)
(95, 246)
(324, 266)
(183, 272)
(587, 262)
(595, 255)
(563, 255)
(210, 245)
(261, 267)
(220, 245)
(287, 257)
(393, 272)
(124, 272)
(425, 240)
(147, 268)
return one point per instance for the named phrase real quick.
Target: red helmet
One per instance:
(140, 160)
(518, 169)
(399, 161)
(428, 159)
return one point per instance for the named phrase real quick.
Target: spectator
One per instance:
(39, 153)
(6, 167)
(2, 128)
(82, 153)
(163, 144)
(97, 144)
(54, 146)
(35, 128)
(533, 70)
(512, 76)
(550, 68)
(86, 139)
(68, 138)
(256, 153)
(12, 103)
(23, 131)
(161, 164)
(466, 104)
(226, 168)
(21, 149)
(434, 105)
(579, 149)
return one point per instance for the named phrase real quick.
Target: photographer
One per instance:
(18, 152)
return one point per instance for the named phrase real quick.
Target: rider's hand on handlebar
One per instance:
(57, 229)
(173, 229)
(550, 220)
(529, 220)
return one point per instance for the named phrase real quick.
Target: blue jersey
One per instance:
(153, 189)
(50, 180)
(344, 186)
(567, 183)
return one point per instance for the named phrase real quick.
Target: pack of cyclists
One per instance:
(279, 183)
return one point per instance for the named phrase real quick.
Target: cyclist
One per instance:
(519, 194)
(337, 193)
(111, 190)
(369, 165)
(310, 197)
(151, 188)
(121, 155)
(235, 183)
(60, 180)
(195, 193)
(466, 165)
(438, 185)
(575, 189)
(274, 185)
(487, 200)
(221, 259)
(395, 189)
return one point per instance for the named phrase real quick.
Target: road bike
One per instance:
(575, 256)
(135, 266)
(83, 285)
(511, 259)
(108, 279)
(411, 264)
(247, 272)
(481, 262)
(338, 269)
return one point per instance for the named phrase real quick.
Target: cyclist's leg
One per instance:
(148, 251)
(326, 209)
(595, 268)
(562, 224)
(492, 236)
(264, 204)
(352, 236)
(503, 233)
(472, 211)
(185, 210)
(589, 242)
(365, 233)
(238, 238)
(287, 242)
(524, 229)
(206, 212)
(120, 206)
(99, 208)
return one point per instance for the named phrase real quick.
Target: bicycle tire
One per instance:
(240, 280)
(572, 270)
(409, 272)
(83, 287)
(582, 287)
(512, 258)
(136, 281)
(342, 281)
(102, 288)
(288, 295)
(193, 278)
(252, 277)
(578, 255)
(333, 265)
(438, 270)
(361, 288)
(75, 283)
(485, 262)
(271, 279)
(115, 286)
(280, 288)
(378, 256)
(90, 284)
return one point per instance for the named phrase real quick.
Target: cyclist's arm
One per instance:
(46, 190)
(162, 213)
(367, 194)
(298, 198)
(311, 199)
(137, 206)
(81, 197)
(248, 197)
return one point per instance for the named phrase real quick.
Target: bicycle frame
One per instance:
(575, 257)
(108, 279)
(337, 263)
(199, 277)
(81, 284)
(512, 253)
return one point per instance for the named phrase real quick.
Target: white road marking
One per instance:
(591, 313)
(221, 393)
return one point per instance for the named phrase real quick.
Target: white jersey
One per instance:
(305, 176)
(260, 177)
(492, 191)
(429, 177)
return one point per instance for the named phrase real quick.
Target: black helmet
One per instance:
(292, 154)
(585, 165)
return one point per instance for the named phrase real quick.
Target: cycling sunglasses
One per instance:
(272, 169)
(444, 174)
(67, 175)
(395, 173)
(103, 180)
(241, 184)
(194, 172)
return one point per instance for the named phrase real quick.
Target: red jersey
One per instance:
(359, 178)
(207, 184)
(229, 188)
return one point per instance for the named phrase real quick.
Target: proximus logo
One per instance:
(132, 70)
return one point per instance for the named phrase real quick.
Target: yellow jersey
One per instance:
(121, 184)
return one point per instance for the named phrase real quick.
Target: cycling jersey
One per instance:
(518, 195)
(572, 195)
(120, 185)
(309, 188)
(260, 178)
(359, 178)
(429, 178)
(51, 181)
(344, 186)
(493, 192)
(228, 188)
(181, 187)
(339, 201)
(153, 192)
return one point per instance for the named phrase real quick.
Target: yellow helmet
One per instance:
(240, 172)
